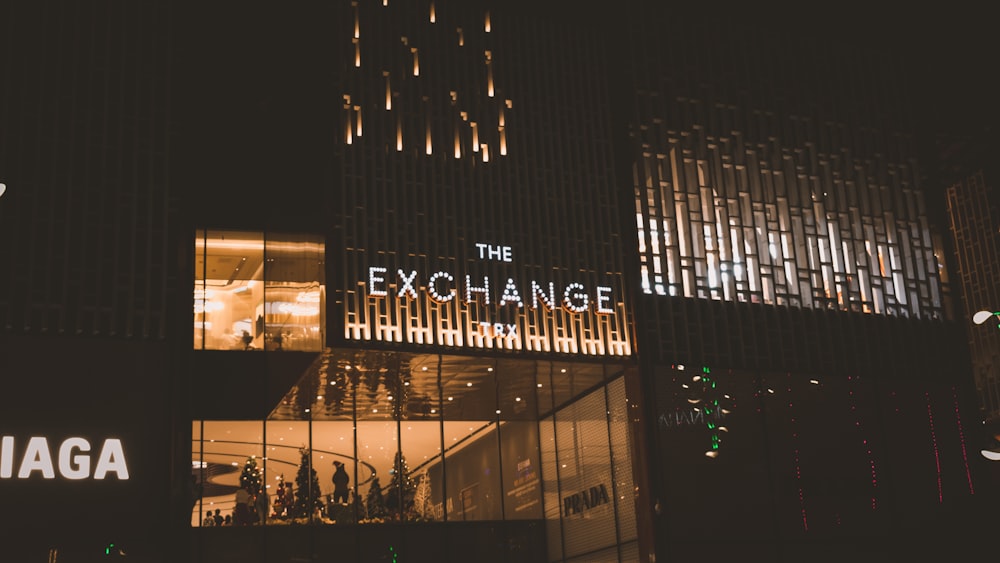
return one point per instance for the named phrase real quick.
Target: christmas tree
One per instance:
(422, 498)
(400, 486)
(374, 503)
(251, 478)
(307, 495)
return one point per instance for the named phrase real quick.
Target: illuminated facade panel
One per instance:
(723, 218)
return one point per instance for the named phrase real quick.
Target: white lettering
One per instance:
(575, 297)
(490, 252)
(511, 294)
(407, 288)
(470, 289)
(36, 458)
(74, 467)
(432, 287)
(575, 301)
(373, 280)
(73, 457)
(603, 296)
(112, 459)
(6, 457)
(496, 330)
(548, 301)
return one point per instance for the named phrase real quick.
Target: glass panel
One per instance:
(585, 479)
(521, 470)
(333, 456)
(295, 292)
(230, 455)
(377, 447)
(621, 459)
(516, 390)
(228, 292)
(287, 440)
(550, 488)
(420, 432)
(200, 513)
(472, 457)
(199, 294)
(571, 380)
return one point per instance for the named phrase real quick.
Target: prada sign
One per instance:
(585, 500)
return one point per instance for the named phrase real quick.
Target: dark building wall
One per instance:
(87, 276)
(84, 115)
(96, 389)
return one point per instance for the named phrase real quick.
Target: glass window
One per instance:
(419, 437)
(294, 293)
(227, 456)
(228, 293)
(252, 294)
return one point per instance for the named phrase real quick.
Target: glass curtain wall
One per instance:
(420, 438)
(585, 457)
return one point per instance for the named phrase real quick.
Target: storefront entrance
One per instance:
(535, 451)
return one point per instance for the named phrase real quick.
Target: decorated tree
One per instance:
(252, 478)
(422, 498)
(401, 486)
(374, 503)
(307, 495)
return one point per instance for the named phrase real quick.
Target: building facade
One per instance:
(548, 284)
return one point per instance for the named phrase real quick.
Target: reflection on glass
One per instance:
(585, 479)
(294, 293)
(333, 459)
(421, 437)
(228, 293)
(227, 456)
(250, 294)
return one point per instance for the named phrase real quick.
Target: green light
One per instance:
(107, 550)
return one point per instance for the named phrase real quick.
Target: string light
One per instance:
(937, 457)
(864, 441)
(961, 437)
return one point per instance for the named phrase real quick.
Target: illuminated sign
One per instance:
(72, 459)
(450, 307)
